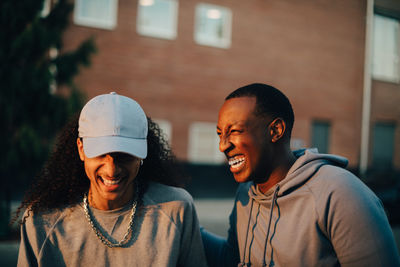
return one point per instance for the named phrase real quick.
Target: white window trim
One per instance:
(216, 157)
(157, 32)
(383, 77)
(225, 43)
(46, 8)
(97, 23)
(166, 128)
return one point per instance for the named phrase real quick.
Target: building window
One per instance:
(385, 60)
(166, 128)
(157, 18)
(213, 25)
(383, 145)
(320, 136)
(46, 8)
(204, 144)
(96, 13)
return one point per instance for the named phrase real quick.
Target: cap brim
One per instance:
(96, 146)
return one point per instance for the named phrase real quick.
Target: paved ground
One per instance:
(213, 215)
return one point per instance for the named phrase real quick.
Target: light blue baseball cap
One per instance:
(113, 123)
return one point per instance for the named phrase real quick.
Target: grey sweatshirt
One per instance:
(319, 215)
(165, 233)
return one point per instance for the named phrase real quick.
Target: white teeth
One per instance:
(111, 182)
(236, 162)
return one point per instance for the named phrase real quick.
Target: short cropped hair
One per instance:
(269, 101)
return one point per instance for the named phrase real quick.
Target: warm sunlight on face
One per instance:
(243, 138)
(111, 178)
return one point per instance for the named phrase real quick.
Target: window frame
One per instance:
(97, 22)
(214, 158)
(226, 41)
(377, 161)
(376, 60)
(166, 128)
(327, 125)
(153, 31)
(46, 8)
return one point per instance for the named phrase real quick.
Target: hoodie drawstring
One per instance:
(274, 199)
(247, 234)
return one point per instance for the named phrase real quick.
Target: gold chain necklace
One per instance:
(98, 232)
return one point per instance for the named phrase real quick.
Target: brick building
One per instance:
(179, 59)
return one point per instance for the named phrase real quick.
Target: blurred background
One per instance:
(337, 61)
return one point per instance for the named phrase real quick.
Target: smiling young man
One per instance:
(297, 208)
(105, 198)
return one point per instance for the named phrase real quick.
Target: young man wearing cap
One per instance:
(103, 196)
(292, 208)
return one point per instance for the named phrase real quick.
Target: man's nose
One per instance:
(111, 165)
(224, 143)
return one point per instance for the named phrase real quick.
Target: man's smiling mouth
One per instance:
(236, 162)
(110, 182)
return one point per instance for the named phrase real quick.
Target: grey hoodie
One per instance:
(319, 215)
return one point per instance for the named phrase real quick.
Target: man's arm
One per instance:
(221, 252)
(358, 227)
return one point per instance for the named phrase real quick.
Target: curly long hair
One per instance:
(63, 181)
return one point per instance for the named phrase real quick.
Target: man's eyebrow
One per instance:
(219, 129)
(240, 123)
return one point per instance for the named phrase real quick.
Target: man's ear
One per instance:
(277, 129)
(79, 144)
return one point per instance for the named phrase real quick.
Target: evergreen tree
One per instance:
(31, 113)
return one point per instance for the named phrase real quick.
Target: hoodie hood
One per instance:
(307, 164)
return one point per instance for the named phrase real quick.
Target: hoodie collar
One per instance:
(308, 162)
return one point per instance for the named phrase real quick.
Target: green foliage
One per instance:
(31, 114)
